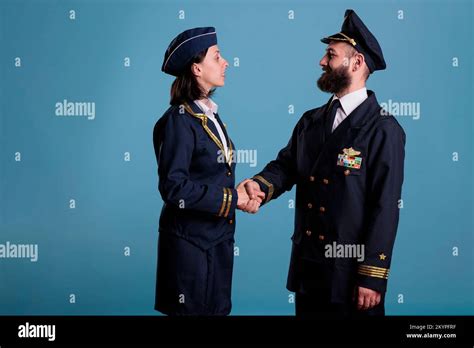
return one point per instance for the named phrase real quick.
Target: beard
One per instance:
(334, 80)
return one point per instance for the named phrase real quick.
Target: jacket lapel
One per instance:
(209, 127)
(230, 145)
(314, 137)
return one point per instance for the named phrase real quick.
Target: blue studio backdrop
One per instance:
(79, 199)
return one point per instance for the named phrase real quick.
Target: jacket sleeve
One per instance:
(173, 140)
(385, 178)
(280, 174)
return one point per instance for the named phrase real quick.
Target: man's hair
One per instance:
(185, 87)
(351, 52)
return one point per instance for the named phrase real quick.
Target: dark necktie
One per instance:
(331, 115)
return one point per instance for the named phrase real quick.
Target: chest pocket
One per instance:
(344, 171)
(205, 146)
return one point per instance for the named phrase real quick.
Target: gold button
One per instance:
(347, 172)
(231, 222)
(311, 178)
(321, 237)
(322, 209)
(325, 181)
(308, 233)
(229, 173)
(310, 205)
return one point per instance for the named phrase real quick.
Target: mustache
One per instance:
(327, 69)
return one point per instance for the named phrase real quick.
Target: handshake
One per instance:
(249, 196)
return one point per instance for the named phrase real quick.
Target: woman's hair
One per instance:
(185, 87)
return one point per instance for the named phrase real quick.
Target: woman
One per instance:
(196, 180)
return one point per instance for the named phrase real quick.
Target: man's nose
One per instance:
(323, 62)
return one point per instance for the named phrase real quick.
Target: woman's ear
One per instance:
(196, 70)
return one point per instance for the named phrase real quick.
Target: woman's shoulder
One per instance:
(176, 117)
(179, 111)
(173, 110)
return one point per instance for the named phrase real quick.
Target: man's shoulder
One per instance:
(383, 121)
(315, 111)
(313, 114)
(386, 122)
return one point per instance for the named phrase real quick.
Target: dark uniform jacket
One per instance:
(197, 187)
(348, 186)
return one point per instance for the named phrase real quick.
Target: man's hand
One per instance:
(253, 190)
(250, 197)
(366, 298)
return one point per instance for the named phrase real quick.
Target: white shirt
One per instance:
(209, 112)
(349, 103)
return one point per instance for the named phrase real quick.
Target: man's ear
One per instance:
(196, 70)
(359, 61)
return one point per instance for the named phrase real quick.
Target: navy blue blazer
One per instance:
(348, 187)
(196, 181)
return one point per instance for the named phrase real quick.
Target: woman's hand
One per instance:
(243, 197)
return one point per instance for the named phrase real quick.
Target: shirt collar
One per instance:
(351, 101)
(212, 110)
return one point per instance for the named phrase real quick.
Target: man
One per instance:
(346, 159)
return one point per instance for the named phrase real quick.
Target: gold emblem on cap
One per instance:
(351, 40)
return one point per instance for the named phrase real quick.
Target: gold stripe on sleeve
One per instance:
(374, 268)
(229, 202)
(373, 271)
(224, 201)
(373, 274)
(265, 182)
